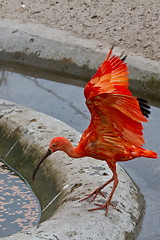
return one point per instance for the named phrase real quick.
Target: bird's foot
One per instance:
(101, 206)
(95, 193)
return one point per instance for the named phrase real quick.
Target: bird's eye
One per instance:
(53, 145)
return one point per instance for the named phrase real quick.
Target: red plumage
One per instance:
(116, 117)
(115, 131)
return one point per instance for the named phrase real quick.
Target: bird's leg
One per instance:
(115, 178)
(98, 190)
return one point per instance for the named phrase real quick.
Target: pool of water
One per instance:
(57, 96)
(19, 206)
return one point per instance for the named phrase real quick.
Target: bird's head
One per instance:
(55, 145)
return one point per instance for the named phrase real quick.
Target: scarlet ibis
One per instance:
(115, 130)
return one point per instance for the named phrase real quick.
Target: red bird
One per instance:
(115, 131)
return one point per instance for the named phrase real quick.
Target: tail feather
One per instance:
(141, 152)
(148, 153)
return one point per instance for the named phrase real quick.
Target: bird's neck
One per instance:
(71, 151)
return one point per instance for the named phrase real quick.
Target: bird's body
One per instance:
(115, 131)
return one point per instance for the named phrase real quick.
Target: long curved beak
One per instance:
(39, 163)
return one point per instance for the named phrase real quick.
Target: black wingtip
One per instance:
(124, 58)
(145, 108)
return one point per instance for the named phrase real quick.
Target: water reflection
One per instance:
(3, 77)
(52, 98)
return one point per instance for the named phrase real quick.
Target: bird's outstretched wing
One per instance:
(116, 115)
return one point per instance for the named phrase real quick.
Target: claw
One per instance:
(101, 206)
(98, 190)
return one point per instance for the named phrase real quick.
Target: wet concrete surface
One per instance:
(66, 102)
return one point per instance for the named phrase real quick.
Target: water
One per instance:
(21, 166)
(53, 98)
(66, 102)
(19, 207)
(146, 173)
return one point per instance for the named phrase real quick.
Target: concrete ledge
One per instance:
(72, 220)
(47, 48)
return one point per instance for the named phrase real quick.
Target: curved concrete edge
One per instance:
(41, 46)
(72, 220)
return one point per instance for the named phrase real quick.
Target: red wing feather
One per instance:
(116, 115)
